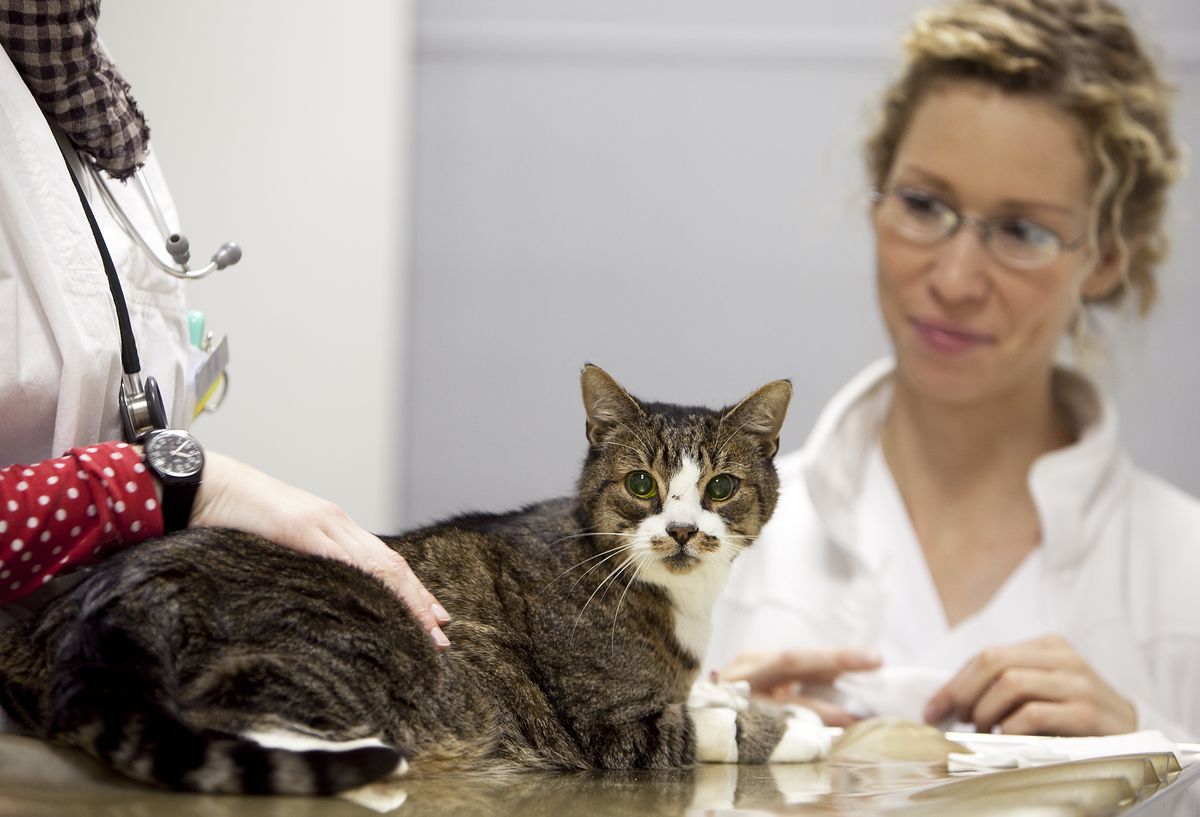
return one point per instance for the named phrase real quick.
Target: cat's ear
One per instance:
(606, 403)
(761, 414)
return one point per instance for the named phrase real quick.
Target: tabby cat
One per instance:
(215, 661)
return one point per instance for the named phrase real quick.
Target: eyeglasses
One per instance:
(1013, 241)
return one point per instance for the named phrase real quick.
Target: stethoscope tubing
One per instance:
(130, 361)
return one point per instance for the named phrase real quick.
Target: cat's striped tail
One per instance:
(112, 696)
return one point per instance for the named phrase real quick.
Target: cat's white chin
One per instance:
(692, 592)
(682, 562)
(692, 581)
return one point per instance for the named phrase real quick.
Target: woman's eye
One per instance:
(1020, 231)
(921, 205)
(641, 485)
(721, 487)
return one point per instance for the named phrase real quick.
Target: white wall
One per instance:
(285, 127)
(673, 190)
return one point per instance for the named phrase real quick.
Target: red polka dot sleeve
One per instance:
(63, 513)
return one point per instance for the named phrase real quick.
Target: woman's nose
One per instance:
(960, 266)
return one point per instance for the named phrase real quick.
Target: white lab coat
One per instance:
(1121, 555)
(60, 351)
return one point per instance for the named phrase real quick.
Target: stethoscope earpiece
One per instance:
(179, 249)
(227, 255)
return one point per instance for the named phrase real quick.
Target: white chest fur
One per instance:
(693, 597)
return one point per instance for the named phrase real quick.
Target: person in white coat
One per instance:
(964, 513)
(62, 102)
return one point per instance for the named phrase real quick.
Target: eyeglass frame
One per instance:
(984, 227)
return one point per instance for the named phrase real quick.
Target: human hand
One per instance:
(234, 495)
(1039, 687)
(782, 674)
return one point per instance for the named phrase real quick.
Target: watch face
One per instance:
(174, 453)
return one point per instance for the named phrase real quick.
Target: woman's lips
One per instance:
(949, 339)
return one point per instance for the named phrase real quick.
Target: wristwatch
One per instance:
(177, 460)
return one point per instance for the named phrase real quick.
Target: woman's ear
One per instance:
(1110, 272)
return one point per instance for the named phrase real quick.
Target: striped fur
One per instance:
(577, 628)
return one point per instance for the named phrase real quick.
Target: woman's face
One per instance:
(967, 327)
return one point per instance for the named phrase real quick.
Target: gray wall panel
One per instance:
(673, 191)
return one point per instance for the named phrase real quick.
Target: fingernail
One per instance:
(439, 612)
(439, 637)
(871, 657)
(933, 712)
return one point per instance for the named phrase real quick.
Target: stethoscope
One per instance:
(176, 244)
(141, 403)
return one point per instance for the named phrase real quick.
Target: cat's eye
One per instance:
(721, 487)
(641, 485)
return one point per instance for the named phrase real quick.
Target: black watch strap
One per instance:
(177, 502)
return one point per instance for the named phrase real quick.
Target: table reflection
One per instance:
(39, 780)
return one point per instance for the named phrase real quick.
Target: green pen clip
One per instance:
(195, 319)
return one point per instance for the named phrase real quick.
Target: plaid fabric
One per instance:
(53, 45)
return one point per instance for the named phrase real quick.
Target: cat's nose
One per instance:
(681, 533)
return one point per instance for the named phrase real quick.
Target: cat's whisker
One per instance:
(635, 560)
(581, 564)
(543, 545)
(612, 444)
(586, 535)
(650, 447)
(603, 581)
(583, 534)
(580, 535)
(726, 558)
(728, 439)
(593, 568)
(637, 571)
(635, 565)
(601, 553)
(616, 574)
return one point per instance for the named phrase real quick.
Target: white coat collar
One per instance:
(1069, 485)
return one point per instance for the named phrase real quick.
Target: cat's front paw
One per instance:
(804, 738)
(716, 734)
(768, 733)
(759, 734)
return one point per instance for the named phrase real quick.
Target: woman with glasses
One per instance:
(963, 514)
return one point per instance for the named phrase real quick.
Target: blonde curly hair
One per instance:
(1084, 56)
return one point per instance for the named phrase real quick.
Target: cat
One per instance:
(216, 661)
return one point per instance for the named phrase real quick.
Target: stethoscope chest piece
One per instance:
(142, 409)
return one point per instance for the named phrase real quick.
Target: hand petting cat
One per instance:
(234, 495)
(782, 674)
